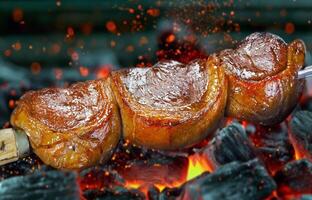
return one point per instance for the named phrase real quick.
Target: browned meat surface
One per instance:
(170, 105)
(71, 128)
(262, 72)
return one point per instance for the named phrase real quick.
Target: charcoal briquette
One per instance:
(229, 144)
(295, 178)
(273, 146)
(41, 185)
(301, 133)
(236, 180)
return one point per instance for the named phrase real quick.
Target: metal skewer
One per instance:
(306, 72)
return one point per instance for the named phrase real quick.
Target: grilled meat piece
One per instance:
(70, 128)
(262, 74)
(170, 105)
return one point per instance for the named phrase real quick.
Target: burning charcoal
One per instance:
(273, 146)
(149, 167)
(295, 178)
(300, 134)
(235, 180)
(175, 193)
(230, 144)
(48, 185)
(117, 193)
(167, 194)
(98, 178)
(24, 166)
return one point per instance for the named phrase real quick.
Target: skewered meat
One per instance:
(170, 105)
(262, 73)
(71, 128)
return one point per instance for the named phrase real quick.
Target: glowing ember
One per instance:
(153, 12)
(83, 71)
(130, 48)
(75, 56)
(11, 104)
(70, 32)
(35, 68)
(55, 48)
(111, 26)
(103, 71)
(8, 53)
(86, 28)
(197, 166)
(289, 28)
(170, 38)
(17, 46)
(17, 15)
(58, 74)
(131, 10)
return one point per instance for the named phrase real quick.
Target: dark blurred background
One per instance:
(55, 43)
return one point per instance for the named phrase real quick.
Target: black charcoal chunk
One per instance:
(47, 185)
(170, 194)
(24, 166)
(301, 133)
(230, 144)
(306, 103)
(295, 178)
(153, 193)
(273, 146)
(248, 180)
(116, 193)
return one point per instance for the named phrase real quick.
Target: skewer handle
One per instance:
(14, 145)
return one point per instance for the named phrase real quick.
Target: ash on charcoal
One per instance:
(235, 180)
(295, 178)
(117, 193)
(48, 185)
(301, 133)
(273, 146)
(230, 144)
